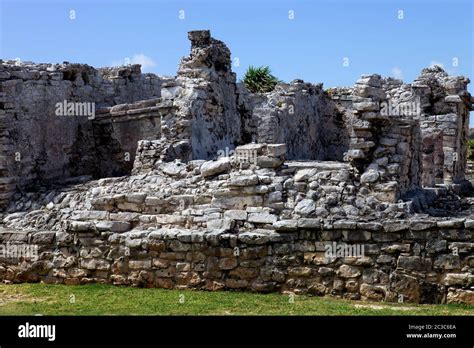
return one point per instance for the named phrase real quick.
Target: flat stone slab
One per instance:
(318, 165)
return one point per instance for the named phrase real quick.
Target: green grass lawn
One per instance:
(31, 299)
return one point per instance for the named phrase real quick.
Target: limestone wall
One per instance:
(408, 136)
(249, 222)
(300, 115)
(38, 143)
(443, 116)
(209, 100)
(195, 182)
(388, 131)
(409, 261)
(117, 131)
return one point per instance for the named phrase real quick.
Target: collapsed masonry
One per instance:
(195, 182)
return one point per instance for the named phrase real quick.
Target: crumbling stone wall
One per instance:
(203, 113)
(294, 259)
(39, 145)
(441, 104)
(117, 131)
(408, 136)
(311, 169)
(384, 149)
(300, 115)
(432, 157)
(212, 225)
(207, 106)
(203, 119)
(446, 111)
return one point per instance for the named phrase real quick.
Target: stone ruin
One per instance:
(194, 182)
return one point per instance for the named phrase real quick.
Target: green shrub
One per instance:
(260, 79)
(470, 149)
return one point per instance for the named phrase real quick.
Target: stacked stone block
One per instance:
(292, 257)
(207, 208)
(40, 146)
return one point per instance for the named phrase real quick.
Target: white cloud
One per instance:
(145, 61)
(434, 62)
(397, 73)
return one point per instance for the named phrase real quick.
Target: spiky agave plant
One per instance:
(259, 79)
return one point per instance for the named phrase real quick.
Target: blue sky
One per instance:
(311, 46)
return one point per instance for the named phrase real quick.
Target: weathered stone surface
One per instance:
(373, 292)
(244, 180)
(228, 263)
(81, 226)
(237, 203)
(253, 238)
(113, 226)
(309, 223)
(457, 279)
(211, 168)
(304, 174)
(448, 262)
(346, 271)
(305, 208)
(461, 296)
(345, 225)
(356, 236)
(286, 225)
(396, 226)
(262, 218)
(369, 176)
(177, 207)
(421, 225)
(469, 224)
(414, 263)
(276, 150)
(236, 214)
(450, 223)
